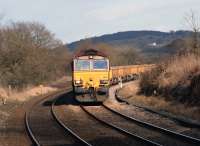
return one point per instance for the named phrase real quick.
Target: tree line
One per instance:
(30, 55)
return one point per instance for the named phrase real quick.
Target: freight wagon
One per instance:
(128, 72)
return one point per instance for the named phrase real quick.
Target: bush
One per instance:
(148, 82)
(177, 79)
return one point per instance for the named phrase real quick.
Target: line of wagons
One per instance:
(92, 75)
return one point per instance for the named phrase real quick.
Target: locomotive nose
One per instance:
(90, 82)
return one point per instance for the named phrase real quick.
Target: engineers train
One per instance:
(92, 75)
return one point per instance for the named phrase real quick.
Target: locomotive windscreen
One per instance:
(80, 64)
(100, 64)
(90, 64)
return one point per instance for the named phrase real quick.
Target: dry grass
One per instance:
(25, 94)
(179, 70)
(129, 90)
(178, 79)
(173, 86)
(32, 91)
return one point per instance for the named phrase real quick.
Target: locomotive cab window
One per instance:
(80, 64)
(100, 64)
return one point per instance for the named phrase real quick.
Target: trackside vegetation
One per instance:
(178, 77)
(30, 55)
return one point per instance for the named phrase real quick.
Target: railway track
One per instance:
(181, 120)
(81, 140)
(61, 134)
(155, 127)
(97, 129)
(177, 138)
(45, 129)
(37, 132)
(142, 139)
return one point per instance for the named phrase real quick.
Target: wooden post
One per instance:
(9, 90)
(120, 82)
(41, 89)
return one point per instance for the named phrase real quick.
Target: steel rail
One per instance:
(65, 127)
(29, 131)
(167, 131)
(142, 139)
(27, 116)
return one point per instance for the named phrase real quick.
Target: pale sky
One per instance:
(71, 20)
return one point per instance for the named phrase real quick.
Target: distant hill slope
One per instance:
(139, 39)
(149, 43)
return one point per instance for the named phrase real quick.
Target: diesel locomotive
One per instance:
(92, 75)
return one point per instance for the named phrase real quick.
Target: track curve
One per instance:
(135, 126)
(72, 115)
(42, 127)
(146, 124)
(149, 142)
(82, 141)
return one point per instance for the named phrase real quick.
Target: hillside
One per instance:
(150, 43)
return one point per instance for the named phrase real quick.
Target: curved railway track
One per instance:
(142, 139)
(27, 124)
(81, 140)
(177, 137)
(61, 134)
(189, 123)
(94, 121)
(47, 129)
(29, 131)
(155, 127)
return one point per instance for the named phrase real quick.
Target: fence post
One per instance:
(9, 90)
(41, 89)
(120, 82)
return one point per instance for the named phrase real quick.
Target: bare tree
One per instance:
(194, 24)
(30, 54)
(84, 45)
(118, 55)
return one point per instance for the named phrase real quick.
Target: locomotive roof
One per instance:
(90, 52)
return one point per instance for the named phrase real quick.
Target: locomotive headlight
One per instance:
(103, 81)
(78, 81)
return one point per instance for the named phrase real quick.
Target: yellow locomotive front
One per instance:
(91, 74)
